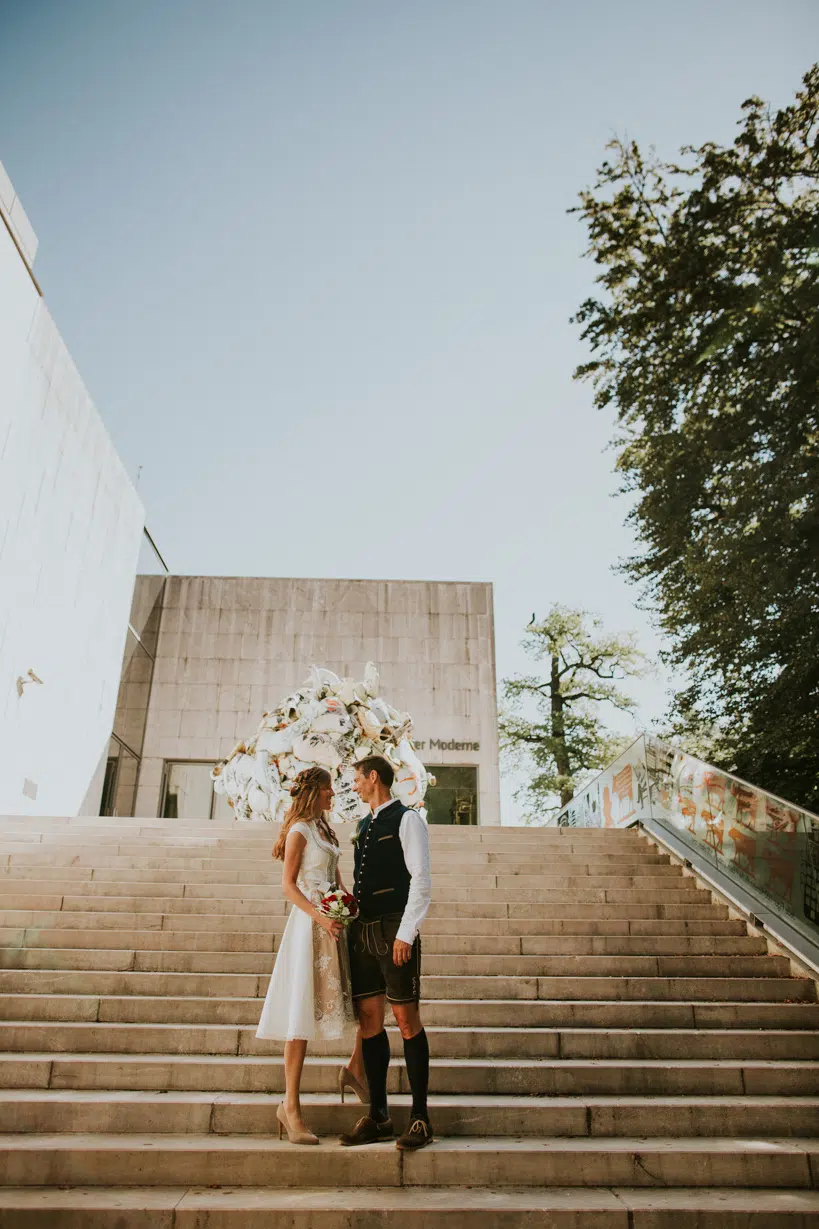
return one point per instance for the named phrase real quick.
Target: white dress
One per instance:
(309, 992)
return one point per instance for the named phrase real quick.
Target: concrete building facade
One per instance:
(231, 647)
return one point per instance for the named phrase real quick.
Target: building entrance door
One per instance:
(188, 793)
(454, 797)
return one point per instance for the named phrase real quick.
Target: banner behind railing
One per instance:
(769, 844)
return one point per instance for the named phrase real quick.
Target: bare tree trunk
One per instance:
(559, 730)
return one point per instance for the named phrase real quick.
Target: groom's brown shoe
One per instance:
(417, 1135)
(367, 1131)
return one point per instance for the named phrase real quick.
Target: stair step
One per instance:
(411, 1207)
(548, 1076)
(129, 1038)
(445, 1013)
(460, 964)
(100, 858)
(79, 1111)
(250, 914)
(240, 834)
(171, 879)
(709, 919)
(160, 1160)
(249, 833)
(769, 988)
(32, 923)
(714, 944)
(254, 909)
(114, 894)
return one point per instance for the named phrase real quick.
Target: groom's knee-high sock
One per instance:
(416, 1056)
(376, 1053)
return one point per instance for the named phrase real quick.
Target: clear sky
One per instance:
(314, 263)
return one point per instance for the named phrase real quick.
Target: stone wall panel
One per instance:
(232, 647)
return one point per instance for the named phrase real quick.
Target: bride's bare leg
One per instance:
(294, 1052)
(356, 1064)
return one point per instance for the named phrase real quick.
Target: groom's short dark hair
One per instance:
(376, 763)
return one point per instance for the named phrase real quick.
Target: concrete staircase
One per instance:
(611, 1049)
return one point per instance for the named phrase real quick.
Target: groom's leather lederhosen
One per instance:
(382, 884)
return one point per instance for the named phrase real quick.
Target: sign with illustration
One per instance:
(766, 842)
(614, 799)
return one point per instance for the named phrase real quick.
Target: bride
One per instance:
(308, 997)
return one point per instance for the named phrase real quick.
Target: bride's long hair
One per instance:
(305, 806)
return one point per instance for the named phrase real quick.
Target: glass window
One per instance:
(150, 562)
(146, 605)
(125, 748)
(134, 690)
(146, 609)
(120, 781)
(109, 785)
(188, 792)
(454, 797)
(126, 783)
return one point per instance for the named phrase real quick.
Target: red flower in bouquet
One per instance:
(341, 906)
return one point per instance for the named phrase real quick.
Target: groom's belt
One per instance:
(366, 920)
(375, 902)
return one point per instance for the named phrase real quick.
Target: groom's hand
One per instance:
(401, 952)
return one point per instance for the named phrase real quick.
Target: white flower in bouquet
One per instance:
(339, 905)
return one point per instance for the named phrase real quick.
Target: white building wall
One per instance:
(16, 219)
(231, 647)
(70, 530)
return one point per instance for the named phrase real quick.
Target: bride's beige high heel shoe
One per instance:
(346, 1079)
(295, 1137)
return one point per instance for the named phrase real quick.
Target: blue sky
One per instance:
(314, 263)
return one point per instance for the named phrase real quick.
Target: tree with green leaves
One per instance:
(551, 723)
(705, 343)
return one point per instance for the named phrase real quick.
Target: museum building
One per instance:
(207, 655)
(122, 685)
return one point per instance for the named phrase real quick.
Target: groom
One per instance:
(392, 886)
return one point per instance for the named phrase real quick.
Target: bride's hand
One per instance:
(333, 928)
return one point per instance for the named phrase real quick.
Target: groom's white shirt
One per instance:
(414, 840)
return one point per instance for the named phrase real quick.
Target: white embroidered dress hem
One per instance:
(309, 997)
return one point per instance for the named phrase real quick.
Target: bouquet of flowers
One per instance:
(339, 905)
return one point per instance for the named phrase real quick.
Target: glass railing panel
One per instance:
(767, 844)
(615, 798)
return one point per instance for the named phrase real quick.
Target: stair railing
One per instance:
(759, 850)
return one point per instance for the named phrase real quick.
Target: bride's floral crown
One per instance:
(308, 778)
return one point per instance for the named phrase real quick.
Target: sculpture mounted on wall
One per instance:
(331, 722)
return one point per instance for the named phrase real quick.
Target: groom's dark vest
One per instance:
(382, 881)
